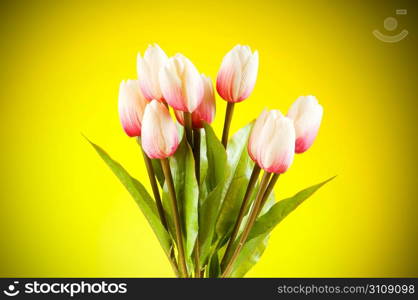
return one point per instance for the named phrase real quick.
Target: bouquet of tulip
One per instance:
(210, 211)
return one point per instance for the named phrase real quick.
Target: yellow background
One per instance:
(63, 213)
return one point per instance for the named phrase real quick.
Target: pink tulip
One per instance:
(181, 84)
(159, 132)
(272, 142)
(238, 74)
(148, 68)
(205, 112)
(131, 107)
(306, 113)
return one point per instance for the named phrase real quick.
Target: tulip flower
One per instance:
(306, 113)
(159, 132)
(148, 68)
(131, 107)
(238, 73)
(205, 112)
(181, 84)
(236, 80)
(272, 142)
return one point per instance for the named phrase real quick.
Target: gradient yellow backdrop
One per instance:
(62, 211)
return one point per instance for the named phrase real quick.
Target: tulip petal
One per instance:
(171, 86)
(181, 84)
(306, 113)
(237, 74)
(272, 142)
(193, 87)
(148, 68)
(205, 112)
(159, 132)
(228, 79)
(131, 105)
(279, 156)
(256, 134)
(249, 76)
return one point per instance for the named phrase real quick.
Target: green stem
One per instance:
(249, 225)
(158, 202)
(268, 191)
(196, 253)
(188, 127)
(176, 216)
(196, 154)
(227, 123)
(241, 214)
(154, 185)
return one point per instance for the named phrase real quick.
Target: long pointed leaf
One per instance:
(281, 209)
(209, 208)
(241, 166)
(191, 201)
(250, 255)
(140, 195)
(216, 157)
(259, 235)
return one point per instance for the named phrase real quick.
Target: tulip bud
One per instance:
(181, 84)
(272, 142)
(238, 73)
(159, 132)
(148, 68)
(306, 113)
(131, 107)
(205, 112)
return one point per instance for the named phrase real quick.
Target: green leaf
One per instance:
(191, 202)
(207, 217)
(214, 267)
(168, 211)
(187, 193)
(180, 130)
(281, 209)
(216, 157)
(141, 197)
(249, 255)
(241, 167)
(209, 208)
(258, 238)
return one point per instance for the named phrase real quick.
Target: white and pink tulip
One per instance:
(238, 74)
(205, 112)
(131, 105)
(181, 84)
(159, 132)
(148, 68)
(306, 113)
(272, 142)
